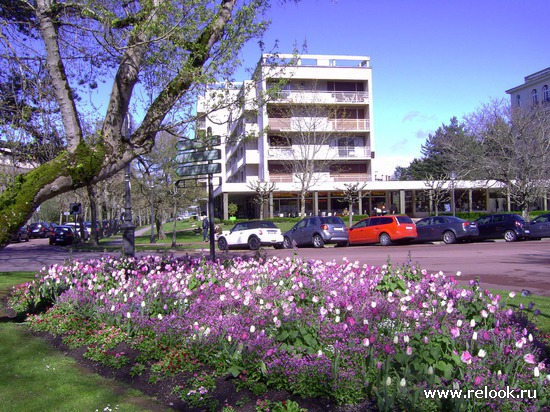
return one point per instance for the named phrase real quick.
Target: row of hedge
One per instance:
(356, 217)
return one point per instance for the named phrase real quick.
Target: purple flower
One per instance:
(529, 358)
(466, 357)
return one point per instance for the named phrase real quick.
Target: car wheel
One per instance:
(317, 241)
(510, 236)
(287, 243)
(222, 244)
(254, 243)
(384, 239)
(449, 237)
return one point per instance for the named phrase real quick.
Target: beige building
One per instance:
(533, 91)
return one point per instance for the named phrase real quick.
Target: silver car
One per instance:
(317, 231)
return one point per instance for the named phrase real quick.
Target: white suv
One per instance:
(252, 235)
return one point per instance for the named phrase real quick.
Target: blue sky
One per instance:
(431, 60)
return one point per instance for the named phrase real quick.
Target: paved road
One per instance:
(514, 266)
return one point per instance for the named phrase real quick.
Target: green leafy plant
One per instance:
(265, 405)
(197, 393)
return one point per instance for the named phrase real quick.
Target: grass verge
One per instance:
(35, 377)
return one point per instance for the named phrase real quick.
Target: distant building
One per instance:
(11, 167)
(533, 91)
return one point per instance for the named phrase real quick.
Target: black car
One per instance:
(507, 226)
(21, 235)
(51, 230)
(39, 230)
(64, 235)
(449, 229)
(539, 227)
(317, 231)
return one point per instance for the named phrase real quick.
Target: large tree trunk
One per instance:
(84, 164)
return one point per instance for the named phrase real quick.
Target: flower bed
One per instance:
(342, 331)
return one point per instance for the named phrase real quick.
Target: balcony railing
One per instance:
(309, 96)
(350, 124)
(332, 125)
(337, 152)
(280, 178)
(351, 177)
(322, 177)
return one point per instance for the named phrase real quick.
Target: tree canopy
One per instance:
(510, 145)
(68, 66)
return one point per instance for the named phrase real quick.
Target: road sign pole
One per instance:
(211, 218)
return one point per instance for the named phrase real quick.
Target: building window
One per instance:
(545, 95)
(518, 100)
(279, 141)
(534, 97)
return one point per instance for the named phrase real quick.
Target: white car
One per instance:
(252, 234)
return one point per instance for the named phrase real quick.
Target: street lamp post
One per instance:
(128, 227)
(453, 207)
(152, 237)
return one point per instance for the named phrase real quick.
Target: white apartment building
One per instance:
(533, 91)
(317, 110)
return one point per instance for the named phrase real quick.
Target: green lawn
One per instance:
(185, 237)
(35, 377)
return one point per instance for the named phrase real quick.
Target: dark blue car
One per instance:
(539, 227)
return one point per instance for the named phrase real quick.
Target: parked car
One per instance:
(21, 235)
(383, 229)
(80, 229)
(509, 226)
(317, 231)
(51, 230)
(252, 235)
(449, 229)
(539, 227)
(38, 230)
(64, 235)
(88, 226)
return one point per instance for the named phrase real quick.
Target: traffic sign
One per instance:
(203, 169)
(191, 182)
(187, 144)
(197, 182)
(191, 156)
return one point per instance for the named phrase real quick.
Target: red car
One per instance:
(383, 229)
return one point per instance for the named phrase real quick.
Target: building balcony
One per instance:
(328, 152)
(331, 125)
(321, 97)
(320, 178)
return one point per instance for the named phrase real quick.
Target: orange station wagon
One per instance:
(382, 229)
